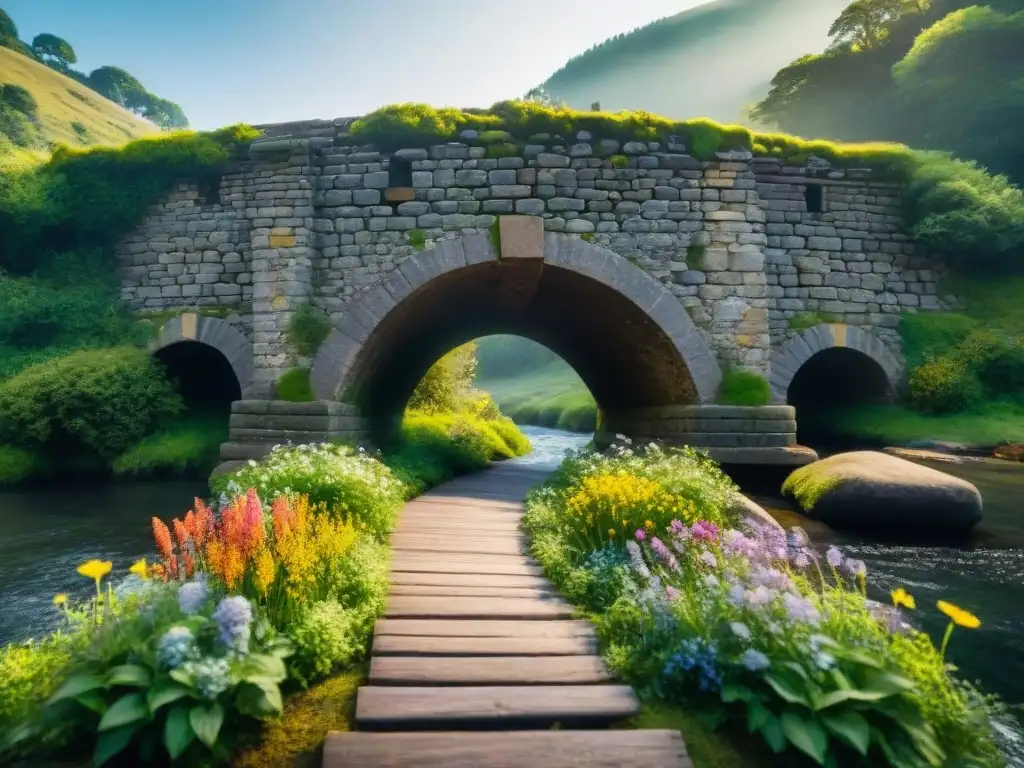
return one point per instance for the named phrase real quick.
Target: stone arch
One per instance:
(517, 291)
(798, 350)
(213, 332)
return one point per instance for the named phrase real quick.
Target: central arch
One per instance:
(627, 336)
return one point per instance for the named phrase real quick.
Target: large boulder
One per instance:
(868, 489)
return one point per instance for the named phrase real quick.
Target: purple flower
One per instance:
(664, 554)
(233, 618)
(834, 557)
(679, 529)
(671, 592)
(856, 567)
(797, 538)
(640, 535)
(711, 581)
(192, 595)
(800, 609)
(703, 530)
(636, 559)
(759, 596)
(735, 543)
(801, 559)
(708, 558)
(772, 578)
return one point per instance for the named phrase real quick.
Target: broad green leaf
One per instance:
(806, 735)
(253, 700)
(840, 678)
(786, 689)
(757, 716)
(731, 693)
(93, 701)
(832, 698)
(178, 733)
(111, 743)
(896, 754)
(206, 722)
(183, 677)
(164, 692)
(858, 656)
(851, 727)
(77, 685)
(774, 735)
(887, 681)
(265, 666)
(797, 669)
(129, 674)
(129, 708)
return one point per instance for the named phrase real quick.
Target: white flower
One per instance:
(741, 630)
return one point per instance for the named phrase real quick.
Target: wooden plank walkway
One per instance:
(473, 639)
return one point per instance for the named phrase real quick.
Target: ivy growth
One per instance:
(308, 328)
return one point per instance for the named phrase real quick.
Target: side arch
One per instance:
(213, 332)
(339, 357)
(797, 350)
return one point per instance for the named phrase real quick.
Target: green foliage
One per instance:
(990, 423)
(801, 321)
(19, 99)
(417, 239)
(29, 674)
(744, 388)
(8, 29)
(308, 328)
(448, 382)
(325, 640)
(18, 464)
(54, 51)
(619, 161)
(295, 386)
(944, 385)
(101, 401)
(807, 486)
(190, 446)
(410, 125)
(932, 334)
(497, 151)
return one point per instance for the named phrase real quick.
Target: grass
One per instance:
(989, 424)
(295, 386)
(63, 104)
(550, 396)
(190, 445)
(18, 464)
(744, 388)
(295, 738)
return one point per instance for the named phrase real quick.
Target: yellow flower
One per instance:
(95, 569)
(611, 533)
(901, 597)
(959, 616)
(140, 569)
(648, 524)
(60, 599)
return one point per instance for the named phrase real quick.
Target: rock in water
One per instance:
(868, 489)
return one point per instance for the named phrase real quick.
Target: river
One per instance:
(46, 532)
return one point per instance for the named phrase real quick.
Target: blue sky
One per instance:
(260, 61)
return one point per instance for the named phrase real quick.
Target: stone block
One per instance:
(522, 237)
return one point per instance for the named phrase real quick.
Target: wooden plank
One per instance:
(536, 749)
(419, 607)
(468, 580)
(487, 670)
(411, 543)
(412, 645)
(410, 562)
(430, 708)
(483, 628)
(435, 590)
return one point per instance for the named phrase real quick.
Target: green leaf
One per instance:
(887, 681)
(774, 735)
(786, 689)
(735, 693)
(832, 698)
(178, 733)
(261, 665)
(164, 692)
(806, 735)
(850, 727)
(129, 674)
(77, 685)
(757, 716)
(93, 701)
(111, 743)
(206, 722)
(183, 677)
(129, 708)
(259, 699)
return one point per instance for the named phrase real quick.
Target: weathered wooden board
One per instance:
(430, 708)
(413, 645)
(462, 591)
(483, 628)
(420, 607)
(409, 562)
(468, 580)
(487, 670)
(506, 545)
(535, 749)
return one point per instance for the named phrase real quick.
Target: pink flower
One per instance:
(640, 535)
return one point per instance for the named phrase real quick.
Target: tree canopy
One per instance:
(54, 51)
(8, 29)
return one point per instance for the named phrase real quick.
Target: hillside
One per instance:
(711, 61)
(63, 104)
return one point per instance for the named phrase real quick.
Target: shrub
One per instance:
(295, 386)
(744, 388)
(944, 385)
(18, 464)
(324, 641)
(29, 674)
(1003, 372)
(19, 99)
(101, 400)
(308, 328)
(192, 445)
(932, 334)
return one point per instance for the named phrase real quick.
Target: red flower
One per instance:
(163, 539)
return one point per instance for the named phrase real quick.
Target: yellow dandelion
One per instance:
(60, 599)
(95, 569)
(901, 597)
(140, 569)
(959, 616)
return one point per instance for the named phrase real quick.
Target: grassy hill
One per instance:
(711, 61)
(68, 111)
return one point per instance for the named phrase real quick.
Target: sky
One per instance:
(265, 61)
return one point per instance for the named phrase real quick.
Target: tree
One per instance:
(55, 51)
(117, 85)
(19, 99)
(448, 385)
(8, 29)
(862, 24)
(164, 113)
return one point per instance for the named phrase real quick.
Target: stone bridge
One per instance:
(647, 270)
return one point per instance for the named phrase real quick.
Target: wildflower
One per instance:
(741, 630)
(636, 559)
(772, 578)
(266, 569)
(711, 581)
(959, 616)
(703, 530)
(162, 535)
(95, 569)
(800, 608)
(797, 538)
(708, 558)
(60, 599)
(697, 654)
(140, 569)
(801, 559)
(175, 647)
(834, 557)
(664, 554)
(856, 568)
(640, 535)
(192, 595)
(212, 676)
(901, 598)
(755, 661)
(233, 618)
(671, 592)
(611, 533)
(759, 596)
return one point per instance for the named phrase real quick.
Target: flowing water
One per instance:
(46, 532)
